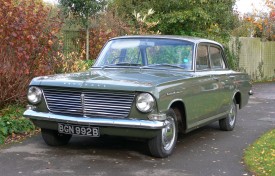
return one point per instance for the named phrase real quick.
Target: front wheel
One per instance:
(164, 143)
(53, 138)
(228, 123)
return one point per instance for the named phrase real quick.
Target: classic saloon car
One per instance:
(149, 87)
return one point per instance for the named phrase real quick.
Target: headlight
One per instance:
(145, 102)
(34, 95)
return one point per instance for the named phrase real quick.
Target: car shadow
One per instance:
(110, 145)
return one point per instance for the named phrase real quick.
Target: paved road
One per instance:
(206, 151)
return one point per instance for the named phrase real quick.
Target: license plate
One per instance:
(78, 130)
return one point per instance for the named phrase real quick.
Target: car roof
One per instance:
(186, 38)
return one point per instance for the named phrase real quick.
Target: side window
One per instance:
(202, 58)
(216, 58)
(170, 54)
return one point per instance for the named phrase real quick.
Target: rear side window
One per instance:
(216, 58)
(202, 61)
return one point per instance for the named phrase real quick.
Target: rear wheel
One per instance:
(228, 123)
(53, 138)
(164, 143)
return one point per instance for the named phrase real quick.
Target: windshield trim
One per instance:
(142, 68)
(103, 52)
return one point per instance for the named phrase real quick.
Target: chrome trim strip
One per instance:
(113, 122)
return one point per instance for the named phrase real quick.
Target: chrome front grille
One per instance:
(89, 103)
(64, 101)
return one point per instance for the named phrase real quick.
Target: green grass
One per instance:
(260, 156)
(12, 122)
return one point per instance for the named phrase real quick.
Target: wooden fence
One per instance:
(72, 41)
(257, 58)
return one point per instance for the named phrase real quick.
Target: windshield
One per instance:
(149, 53)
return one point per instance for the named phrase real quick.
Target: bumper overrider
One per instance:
(108, 126)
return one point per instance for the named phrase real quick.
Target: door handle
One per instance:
(215, 78)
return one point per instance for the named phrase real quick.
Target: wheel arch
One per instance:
(238, 98)
(179, 104)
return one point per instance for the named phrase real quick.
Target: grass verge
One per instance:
(260, 156)
(13, 126)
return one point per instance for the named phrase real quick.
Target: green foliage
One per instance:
(11, 121)
(202, 18)
(142, 25)
(259, 75)
(261, 70)
(232, 52)
(89, 63)
(260, 156)
(83, 9)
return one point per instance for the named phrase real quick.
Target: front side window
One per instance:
(150, 53)
(180, 55)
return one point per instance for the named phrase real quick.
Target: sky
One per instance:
(51, 1)
(243, 6)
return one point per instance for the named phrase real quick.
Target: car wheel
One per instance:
(164, 143)
(53, 138)
(228, 123)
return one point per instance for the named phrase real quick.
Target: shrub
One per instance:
(28, 44)
(98, 38)
(28, 32)
(11, 121)
(13, 79)
(71, 62)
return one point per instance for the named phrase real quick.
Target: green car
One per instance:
(149, 87)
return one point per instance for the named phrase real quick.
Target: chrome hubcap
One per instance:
(232, 115)
(169, 134)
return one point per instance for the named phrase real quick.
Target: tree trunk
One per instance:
(87, 36)
(87, 42)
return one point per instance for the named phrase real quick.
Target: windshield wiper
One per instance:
(121, 64)
(127, 64)
(165, 65)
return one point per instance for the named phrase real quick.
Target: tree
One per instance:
(143, 26)
(203, 18)
(84, 10)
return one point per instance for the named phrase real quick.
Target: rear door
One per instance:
(223, 76)
(204, 101)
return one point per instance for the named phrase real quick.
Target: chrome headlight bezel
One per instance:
(145, 102)
(34, 95)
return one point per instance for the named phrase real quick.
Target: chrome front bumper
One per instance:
(104, 122)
